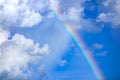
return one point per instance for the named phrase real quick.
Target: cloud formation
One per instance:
(17, 53)
(112, 14)
(97, 46)
(63, 63)
(73, 13)
(73, 17)
(20, 13)
(53, 3)
(3, 35)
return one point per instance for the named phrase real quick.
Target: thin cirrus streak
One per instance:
(79, 42)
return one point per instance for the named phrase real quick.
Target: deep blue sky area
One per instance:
(110, 39)
(38, 39)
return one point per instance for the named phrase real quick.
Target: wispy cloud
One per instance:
(62, 62)
(97, 46)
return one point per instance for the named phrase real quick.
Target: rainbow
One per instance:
(73, 34)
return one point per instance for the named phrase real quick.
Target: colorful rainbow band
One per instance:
(71, 31)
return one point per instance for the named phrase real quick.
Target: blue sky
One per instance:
(34, 44)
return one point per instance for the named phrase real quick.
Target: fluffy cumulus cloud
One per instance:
(17, 53)
(20, 13)
(71, 13)
(73, 16)
(112, 15)
(30, 18)
(74, 12)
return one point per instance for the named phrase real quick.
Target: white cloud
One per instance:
(17, 53)
(73, 14)
(31, 18)
(53, 3)
(116, 18)
(97, 46)
(73, 17)
(3, 35)
(1, 1)
(62, 62)
(113, 14)
(103, 17)
(20, 13)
